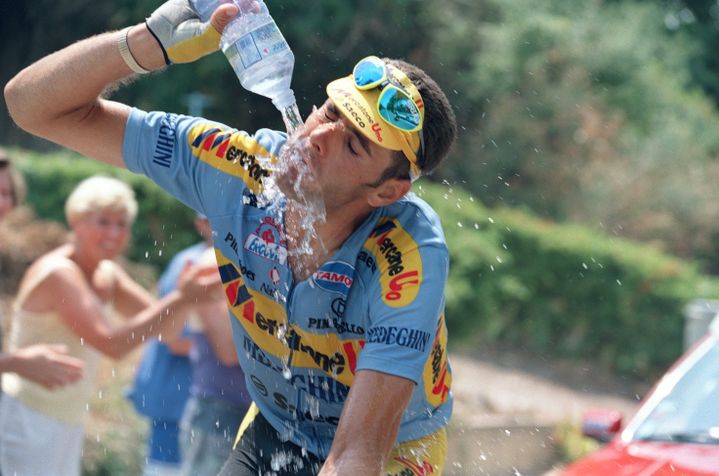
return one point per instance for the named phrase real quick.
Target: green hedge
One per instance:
(560, 289)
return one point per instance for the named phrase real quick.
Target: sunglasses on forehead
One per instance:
(395, 103)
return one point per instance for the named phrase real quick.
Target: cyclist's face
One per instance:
(341, 160)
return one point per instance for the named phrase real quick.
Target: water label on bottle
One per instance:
(260, 43)
(248, 51)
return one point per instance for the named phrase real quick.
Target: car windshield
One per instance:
(689, 412)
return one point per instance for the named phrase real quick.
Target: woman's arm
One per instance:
(45, 364)
(128, 297)
(82, 311)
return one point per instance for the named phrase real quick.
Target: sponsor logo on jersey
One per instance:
(165, 143)
(282, 402)
(368, 260)
(246, 272)
(271, 291)
(318, 386)
(397, 256)
(271, 251)
(338, 325)
(402, 336)
(275, 276)
(338, 307)
(232, 152)
(265, 322)
(437, 376)
(335, 276)
(267, 242)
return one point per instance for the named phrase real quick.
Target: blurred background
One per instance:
(580, 201)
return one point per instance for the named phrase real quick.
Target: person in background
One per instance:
(66, 297)
(47, 365)
(162, 383)
(12, 185)
(219, 398)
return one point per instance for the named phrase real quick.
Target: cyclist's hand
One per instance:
(182, 35)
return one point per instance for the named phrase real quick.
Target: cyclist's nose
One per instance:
(324, 137)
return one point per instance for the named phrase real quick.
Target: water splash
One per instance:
(292, 119)
(313, 405)
(284, 461)
(292, 177)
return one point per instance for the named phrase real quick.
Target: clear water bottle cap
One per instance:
(284, 100)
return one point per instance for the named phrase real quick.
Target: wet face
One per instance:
(103, 234)
(342, 163)
(7, 200)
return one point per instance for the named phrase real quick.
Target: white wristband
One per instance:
(126, 54)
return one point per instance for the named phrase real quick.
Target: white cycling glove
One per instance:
(182, 35)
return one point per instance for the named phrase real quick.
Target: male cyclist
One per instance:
(338, 322)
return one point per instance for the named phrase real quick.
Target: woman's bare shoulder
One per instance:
(49, 274)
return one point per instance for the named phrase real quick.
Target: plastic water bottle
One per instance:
(261, 58)
(205, 8)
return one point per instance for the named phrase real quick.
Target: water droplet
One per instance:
(491, 220)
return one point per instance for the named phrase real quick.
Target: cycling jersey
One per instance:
(376, 304)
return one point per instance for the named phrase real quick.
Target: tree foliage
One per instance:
(584, 112)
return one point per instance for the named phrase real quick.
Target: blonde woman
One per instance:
(65, 297)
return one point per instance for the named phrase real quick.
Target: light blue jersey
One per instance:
(377, 304)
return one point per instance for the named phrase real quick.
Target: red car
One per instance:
(674, 432)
